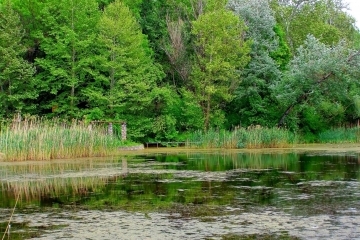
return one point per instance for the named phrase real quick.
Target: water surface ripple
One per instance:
(186, 195)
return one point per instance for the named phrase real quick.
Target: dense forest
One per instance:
(168, 67)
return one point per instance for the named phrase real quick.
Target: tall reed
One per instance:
(40, 139)
(340, 135)
(243, 138)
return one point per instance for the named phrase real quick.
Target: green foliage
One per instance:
(220, 53)
(357, 40)
(129, 76)
(103, 3)
(176, 112)
(31, 13)
(134, 6)
(167, 110)
(340, 135)
(356, 110)
(253, 137)
(16, 74)
(282, 55)
(312, 122)
(169, 67)
(316, 119)
(192, 117)
(153, 25)
(319, 73)
(254, 101)
(68, 44)
(166, 23)
(323, 19)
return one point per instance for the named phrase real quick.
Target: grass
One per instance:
(255, 138)
(340, 135)
(40, 139)
(243, 138)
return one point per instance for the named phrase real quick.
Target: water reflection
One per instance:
(186, 185)
(43, 183)
(160, 180)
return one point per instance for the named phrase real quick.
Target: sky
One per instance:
(354, 10)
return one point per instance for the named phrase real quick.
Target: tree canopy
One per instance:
(168, 67)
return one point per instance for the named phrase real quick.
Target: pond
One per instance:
(184, 195)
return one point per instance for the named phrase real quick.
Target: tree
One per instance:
(68, 44)
(176, 50)
(220, 53)
(324, 19)
(16, 74)
(254, 101)
(319, 73)
(30, 12)
(167, 26)
(124, 91)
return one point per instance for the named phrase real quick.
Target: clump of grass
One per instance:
(340, 135)
(40, 139)
(243, 138)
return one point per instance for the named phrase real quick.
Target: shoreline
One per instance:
(329, 148)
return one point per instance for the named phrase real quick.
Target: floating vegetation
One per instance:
(213, 195)
(259, 237)
(22, 230)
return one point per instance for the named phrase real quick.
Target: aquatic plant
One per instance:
(340, 135)
(243, 138)
(41, 139)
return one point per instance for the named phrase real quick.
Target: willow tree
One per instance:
(124, 91)
(220, 53)
(254, 101)
(16, 74)
(320, 76)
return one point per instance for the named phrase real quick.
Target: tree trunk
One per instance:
(207, 114)
(285, 114)
(72, 63)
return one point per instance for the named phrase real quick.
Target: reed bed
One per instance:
(243, 138)
(40, 139)
(340, 135)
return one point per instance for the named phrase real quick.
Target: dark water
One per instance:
(212, 195)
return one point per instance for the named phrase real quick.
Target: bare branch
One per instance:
(176, 51)
(197, 7)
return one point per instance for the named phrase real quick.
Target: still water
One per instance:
(184, 195)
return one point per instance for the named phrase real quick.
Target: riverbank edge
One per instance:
(297, 148)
